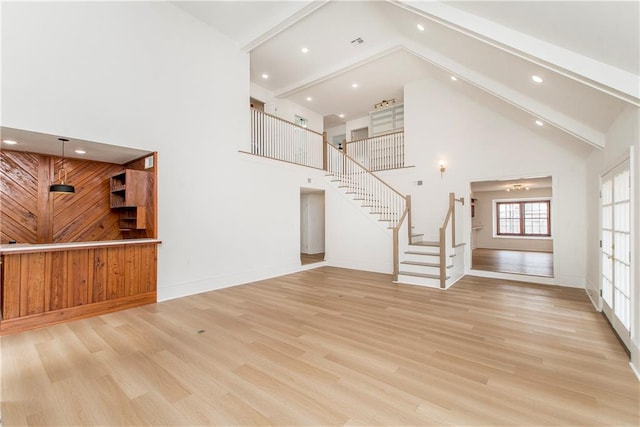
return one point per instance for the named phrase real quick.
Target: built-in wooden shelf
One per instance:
(131, 192)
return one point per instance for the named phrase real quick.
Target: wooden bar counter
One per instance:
(45, 284)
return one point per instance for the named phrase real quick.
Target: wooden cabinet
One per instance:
(131, 194)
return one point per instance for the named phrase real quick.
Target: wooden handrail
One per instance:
(368, 171)
(371, 137)
(286, 121)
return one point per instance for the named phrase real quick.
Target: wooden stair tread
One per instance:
(424, 264)
(426, 276)
(421, 253)
(426, 243)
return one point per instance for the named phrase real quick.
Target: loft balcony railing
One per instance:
(378, 153)
(279, 139)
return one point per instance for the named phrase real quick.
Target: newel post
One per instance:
(324, 150)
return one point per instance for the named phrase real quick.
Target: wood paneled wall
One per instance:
(29, 213)
(43, 288)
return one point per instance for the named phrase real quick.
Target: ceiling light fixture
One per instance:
(341, 116)
(539, 123)
(62, 176)
(305, 50)
(537, 78)
(420, 27)
(354, 85)
(9, 141)
(384, 103)
(79, 151)
(454, 78)
(265, 76)
(517, 187)
(309, 98)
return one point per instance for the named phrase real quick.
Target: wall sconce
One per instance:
(442, 167)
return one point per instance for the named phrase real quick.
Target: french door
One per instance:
(615, 283)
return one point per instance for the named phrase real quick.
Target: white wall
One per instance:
(286, 109)
(146, 75)
(355, 238)
(336, 131)
(479, 144)
(622, 137)
(357, 123)
(484, 218)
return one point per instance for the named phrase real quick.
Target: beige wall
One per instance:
(483, 237)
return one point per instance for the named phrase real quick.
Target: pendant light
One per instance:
(62, 176)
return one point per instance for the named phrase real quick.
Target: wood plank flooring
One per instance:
(517, 262)
(329, 346)
(311, 258)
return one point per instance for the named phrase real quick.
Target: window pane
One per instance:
(508, 218)
(536, 216)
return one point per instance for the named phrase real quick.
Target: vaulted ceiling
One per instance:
(587, 53)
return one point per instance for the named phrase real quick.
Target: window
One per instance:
(524, 218)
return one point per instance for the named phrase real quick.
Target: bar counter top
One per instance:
(21, 248)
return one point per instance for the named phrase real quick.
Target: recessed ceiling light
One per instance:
(80, 151)
(341, 116)
(537, 78)
(265, 76)
(539, 122)
(309, 98)
(420, 27)
(454, 78)
(355, 85)
(304, 50)
(9, 141)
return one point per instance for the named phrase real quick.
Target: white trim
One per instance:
(635, 371)
(598, 309)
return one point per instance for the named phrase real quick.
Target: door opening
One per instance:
(312, 226)
(511, 226)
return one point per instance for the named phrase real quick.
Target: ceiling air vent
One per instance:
(357, 41)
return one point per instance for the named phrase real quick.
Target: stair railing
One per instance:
(279, 139)
(373, 192)
(449, 224)
(378, 153)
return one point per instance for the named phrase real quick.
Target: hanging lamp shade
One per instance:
(62, 176)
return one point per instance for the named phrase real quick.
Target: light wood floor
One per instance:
(517, 262)
(311, 258)
(329, 346)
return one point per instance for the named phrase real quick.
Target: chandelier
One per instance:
(517, 187)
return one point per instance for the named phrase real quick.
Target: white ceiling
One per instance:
(532, 183)
(34, 142)
(587, 52)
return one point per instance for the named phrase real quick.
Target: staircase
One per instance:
(417, 262)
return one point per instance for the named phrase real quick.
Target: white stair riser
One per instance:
(424, 249)
(420, 258)
(420, 281)
(420, 269)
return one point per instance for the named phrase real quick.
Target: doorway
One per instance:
(312, 226)
(615, 232)
(511, 226)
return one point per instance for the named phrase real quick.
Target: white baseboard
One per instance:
(596, 306)
(635, 371)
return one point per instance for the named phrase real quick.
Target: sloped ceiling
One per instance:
(586, 52)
